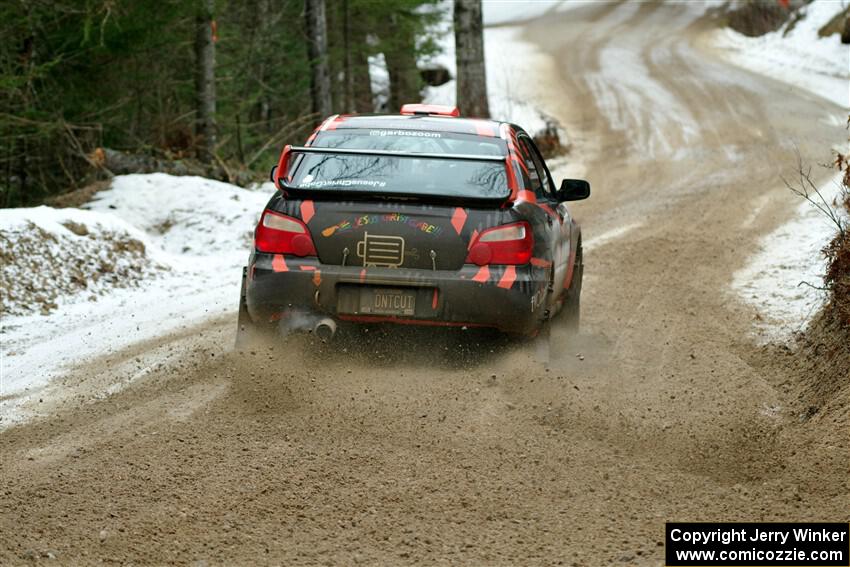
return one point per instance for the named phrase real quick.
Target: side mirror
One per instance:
(271, 175)
(573, 190)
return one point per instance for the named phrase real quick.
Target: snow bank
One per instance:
(796, 54)
(772, 280)
(198, 223)
(52, 257)
(182, 242)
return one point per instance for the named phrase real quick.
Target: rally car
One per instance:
(422, 218)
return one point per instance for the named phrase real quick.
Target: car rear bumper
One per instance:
(508, 298)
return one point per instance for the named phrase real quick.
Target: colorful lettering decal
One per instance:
(369, 220)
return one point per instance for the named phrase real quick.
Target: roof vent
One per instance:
(430, 110)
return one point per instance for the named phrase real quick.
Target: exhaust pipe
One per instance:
(325, 329)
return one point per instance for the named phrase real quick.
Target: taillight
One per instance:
(280, 234)
(508, 244)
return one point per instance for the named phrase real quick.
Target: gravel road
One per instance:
(399, 447)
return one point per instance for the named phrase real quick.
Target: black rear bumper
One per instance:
(508, 298)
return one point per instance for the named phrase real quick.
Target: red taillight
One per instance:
(280, 234)
(509, 244)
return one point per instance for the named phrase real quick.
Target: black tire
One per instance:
(247, 332)
(572, 303)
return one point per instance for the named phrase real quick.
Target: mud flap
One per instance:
(246, 330)
(542, 344)
(572, 303)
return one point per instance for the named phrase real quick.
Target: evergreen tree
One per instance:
(144, 77)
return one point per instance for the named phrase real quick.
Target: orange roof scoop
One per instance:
(430, 110)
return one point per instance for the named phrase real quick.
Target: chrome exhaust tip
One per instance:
(325, 329)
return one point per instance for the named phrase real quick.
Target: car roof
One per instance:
(480, 126)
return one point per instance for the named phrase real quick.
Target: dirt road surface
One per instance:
(402, 448)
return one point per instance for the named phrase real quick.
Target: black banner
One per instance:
(757, 544)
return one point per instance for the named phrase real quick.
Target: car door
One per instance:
(557, 213)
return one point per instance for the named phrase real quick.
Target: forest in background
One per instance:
(213, 87)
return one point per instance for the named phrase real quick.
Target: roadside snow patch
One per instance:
(197, 222)
(175, 246)
(53, 257)
(796, 54)
(772, 282)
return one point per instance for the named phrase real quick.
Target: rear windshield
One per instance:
(425, 176)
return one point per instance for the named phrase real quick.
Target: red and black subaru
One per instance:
(422, 218)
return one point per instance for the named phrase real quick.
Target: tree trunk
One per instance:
(318, 51)
(401, 65)
(349, 78)
(361, 82)
(469, 47)
(262, 27)
(205, 126)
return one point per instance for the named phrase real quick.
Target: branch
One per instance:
(79, 148)
(282, 133)
(807, 284)
(807, 189)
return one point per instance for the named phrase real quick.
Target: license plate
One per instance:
(382, 301)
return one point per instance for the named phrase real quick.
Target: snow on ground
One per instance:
(623, 86)
(195, 234)
(771, 282)
(499, 12)
(57, 256)
(195, 221)
(797, 56)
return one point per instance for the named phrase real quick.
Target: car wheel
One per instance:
(247, 331)
(572, 304)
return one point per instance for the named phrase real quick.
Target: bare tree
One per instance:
(469, 49)
(205, 125)
(317, 32)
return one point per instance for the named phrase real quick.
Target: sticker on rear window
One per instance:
(412, 133)
(343, 183)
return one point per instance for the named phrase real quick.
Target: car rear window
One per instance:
(412, 176)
